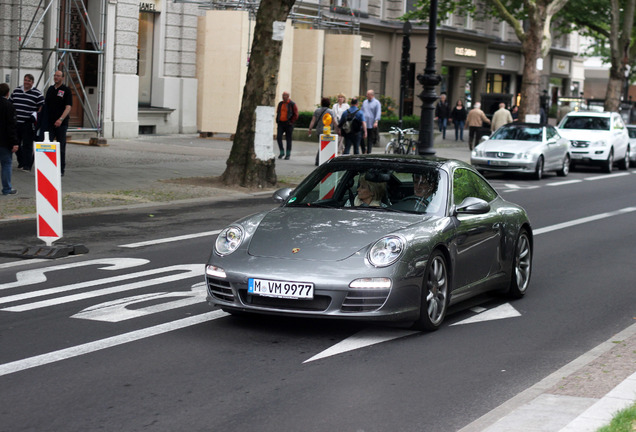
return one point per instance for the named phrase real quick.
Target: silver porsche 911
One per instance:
(374, 237)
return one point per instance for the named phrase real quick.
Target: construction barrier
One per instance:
(48, 190)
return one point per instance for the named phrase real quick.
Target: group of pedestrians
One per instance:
(356, 127)
(24, 113)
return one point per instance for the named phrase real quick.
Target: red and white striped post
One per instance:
(48, 190)
(328, 148)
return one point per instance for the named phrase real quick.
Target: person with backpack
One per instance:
(353, 126)
(316, 120)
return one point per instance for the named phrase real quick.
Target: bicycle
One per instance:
(400, 144)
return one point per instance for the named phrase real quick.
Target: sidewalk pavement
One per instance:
(156, 170)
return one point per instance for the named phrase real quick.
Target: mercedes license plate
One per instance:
(281, 289)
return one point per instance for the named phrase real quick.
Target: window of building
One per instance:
(384, 66)
(497, 83)
(144, 56)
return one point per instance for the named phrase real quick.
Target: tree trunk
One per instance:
(243, 168)
(614, 89)
(531, 48)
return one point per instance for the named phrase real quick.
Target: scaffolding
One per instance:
(70, 23)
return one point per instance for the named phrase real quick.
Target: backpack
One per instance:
(347, 126)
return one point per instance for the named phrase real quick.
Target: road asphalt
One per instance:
(151, 171)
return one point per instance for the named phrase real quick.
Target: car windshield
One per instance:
(519, 133)
(583, 122)
(375, 185)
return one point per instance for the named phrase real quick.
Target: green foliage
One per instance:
(388, 105)
(553, 111)
(304, 118)
(407, 122)
(624, 421)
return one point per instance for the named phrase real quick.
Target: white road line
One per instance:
(602, 177)
(20, 263)
(63, 354)
(583, 220)
(566, 182)
(170, 239)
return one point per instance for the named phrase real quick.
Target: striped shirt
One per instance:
(26, 103)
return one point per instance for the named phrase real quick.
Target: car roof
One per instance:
(590, 114)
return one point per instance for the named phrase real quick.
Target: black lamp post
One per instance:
(404, 65)
(430, 79)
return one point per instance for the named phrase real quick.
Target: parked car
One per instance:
(631, 131)
(374, 237)
(597, 138)
(523, 148)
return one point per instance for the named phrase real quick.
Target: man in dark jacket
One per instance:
(442, 112)
(286, 116)
(8, 139)
(358, 127)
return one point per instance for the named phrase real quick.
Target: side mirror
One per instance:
(281, 195)
(472, 205)
(484, 139)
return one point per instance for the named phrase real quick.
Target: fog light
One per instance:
(215, 271)
(371, 283)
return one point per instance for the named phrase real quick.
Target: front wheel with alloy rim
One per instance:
(608, 165)
(521, 266)
(435, 294)
(538, 171)
(624, 164)
(565, 168)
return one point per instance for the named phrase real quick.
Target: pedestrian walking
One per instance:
(286, 116)
(458, 116)
(317, 120)
(501, 117)
(353, 126)
(58, 102)
(442, 112)
(338, 108)
(372, 114)
(475, 121)
(8, 139)
(27, 101)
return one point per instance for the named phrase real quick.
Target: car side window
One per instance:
(468, 184)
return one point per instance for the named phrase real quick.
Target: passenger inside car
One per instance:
(370, 193)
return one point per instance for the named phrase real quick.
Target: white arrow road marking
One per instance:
(30, 277)
(185, 271)
(363, 339)
(55, 356)
(25, 262)
(117, 310)
(500, 312)
(170, 239)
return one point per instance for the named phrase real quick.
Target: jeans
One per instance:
(459, 130)
(352, 140)
(5, 165)
(443, 122)
(287, 129)
(59, 134)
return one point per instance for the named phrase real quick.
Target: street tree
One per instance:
(243, 167)
(531, 21)
(611, 24)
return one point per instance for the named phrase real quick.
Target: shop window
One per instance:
(497, 83)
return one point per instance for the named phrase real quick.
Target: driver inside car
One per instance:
(424, 188)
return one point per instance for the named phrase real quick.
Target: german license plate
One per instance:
(281, 289)
(577, 155)
(497, 162)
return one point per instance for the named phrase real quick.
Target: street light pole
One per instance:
(430, 79)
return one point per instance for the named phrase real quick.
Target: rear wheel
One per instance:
(435, 294)
(521, 266)
(565, 169)
(608, 165)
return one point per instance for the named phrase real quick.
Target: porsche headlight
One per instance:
(386, 251)
(229, 240)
